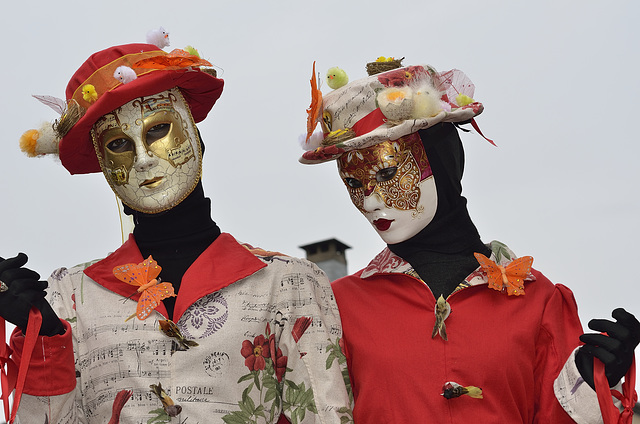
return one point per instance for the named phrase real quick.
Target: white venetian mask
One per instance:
(149, 151)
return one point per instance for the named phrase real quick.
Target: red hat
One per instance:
(97, 90)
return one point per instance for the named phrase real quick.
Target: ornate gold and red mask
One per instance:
(391, 183)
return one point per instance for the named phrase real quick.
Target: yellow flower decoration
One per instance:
(463, 100)
(89, 93)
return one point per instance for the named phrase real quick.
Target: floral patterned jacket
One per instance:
(406, 367)
(267, 331)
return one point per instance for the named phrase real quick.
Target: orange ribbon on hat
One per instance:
(628, 397)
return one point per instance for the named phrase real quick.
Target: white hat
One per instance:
(386, 106)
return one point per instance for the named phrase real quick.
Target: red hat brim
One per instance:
(200, 90)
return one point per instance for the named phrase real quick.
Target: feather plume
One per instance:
(55, 103)
(313, 142)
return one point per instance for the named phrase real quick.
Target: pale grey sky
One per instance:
(558, 81)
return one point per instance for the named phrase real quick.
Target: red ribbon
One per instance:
(9, 376)
(369, 122)
(628, 397)
(475, 126)
(15, 376)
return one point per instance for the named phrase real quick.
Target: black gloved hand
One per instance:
(615, 349)
(24, 292)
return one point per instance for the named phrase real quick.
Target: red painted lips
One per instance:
(382, 224)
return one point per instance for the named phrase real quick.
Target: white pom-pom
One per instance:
(124, 74)
(314, 141)
(159, 37)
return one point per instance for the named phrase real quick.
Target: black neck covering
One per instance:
(442, 253)
(177, 237)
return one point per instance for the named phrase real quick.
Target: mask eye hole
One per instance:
(352, 182)
(386, 174)
(157, 132)
(120, 145)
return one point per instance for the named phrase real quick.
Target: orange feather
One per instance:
(315, 108)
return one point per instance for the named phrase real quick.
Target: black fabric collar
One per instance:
(442, 253)
(175, 238)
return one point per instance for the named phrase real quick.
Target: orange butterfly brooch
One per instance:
(145, 276)
(510, 277)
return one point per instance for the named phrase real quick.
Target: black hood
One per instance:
(442, 252)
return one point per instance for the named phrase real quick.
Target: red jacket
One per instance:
(513, 347)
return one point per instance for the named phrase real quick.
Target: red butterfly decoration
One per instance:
(145, 276)
(510, 277)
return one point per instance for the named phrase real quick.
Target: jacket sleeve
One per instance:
(50, 386)
(576, 397)
(316, 385)
(558, 337)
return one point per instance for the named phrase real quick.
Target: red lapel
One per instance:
(223, 263)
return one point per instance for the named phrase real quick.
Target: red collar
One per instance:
(223, 263)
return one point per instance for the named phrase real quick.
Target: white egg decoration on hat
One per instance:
(396, 103)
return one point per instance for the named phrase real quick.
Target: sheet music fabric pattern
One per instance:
(271, 332)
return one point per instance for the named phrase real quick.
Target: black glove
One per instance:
(615, 349)
(25, 291)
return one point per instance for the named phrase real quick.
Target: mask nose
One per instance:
(373, 202)
(145, 160)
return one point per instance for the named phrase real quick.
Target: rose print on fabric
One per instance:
(269, 391)
(277, 359)
(204, 317)
(402, 77)
(255, 353)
